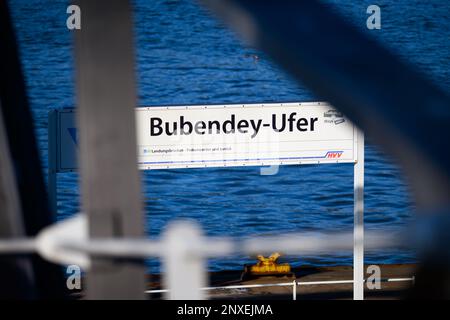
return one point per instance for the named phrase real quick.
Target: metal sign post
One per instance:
(358, 224)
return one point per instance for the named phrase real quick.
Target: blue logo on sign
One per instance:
(73, 134)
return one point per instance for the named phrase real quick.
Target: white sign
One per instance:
(229, 135)
(243, 135)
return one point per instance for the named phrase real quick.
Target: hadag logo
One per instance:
(333, 116)
(334, 154)
(73, 134)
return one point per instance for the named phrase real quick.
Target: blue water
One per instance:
(185, 56)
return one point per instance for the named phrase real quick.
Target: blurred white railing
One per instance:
(292, 284)
(183, 250)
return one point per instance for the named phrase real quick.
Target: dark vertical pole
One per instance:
(24, 155)
(18, 276)
(52, 162)
(106, 120)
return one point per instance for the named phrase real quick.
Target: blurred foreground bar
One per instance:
(109, 175)
(390, 101)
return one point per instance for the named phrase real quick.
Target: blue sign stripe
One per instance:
(255, 159)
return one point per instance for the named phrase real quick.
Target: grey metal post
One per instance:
(358, 211)
(108, 163)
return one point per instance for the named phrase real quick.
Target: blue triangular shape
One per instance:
(73, 134)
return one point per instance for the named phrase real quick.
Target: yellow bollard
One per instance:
(268, 267)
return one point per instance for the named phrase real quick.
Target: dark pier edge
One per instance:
(48, 278)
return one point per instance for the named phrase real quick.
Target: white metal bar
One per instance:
(216, 247)
(310, 283)
(294, 290)
(185, 274)
(358, 231)
(248, 286)
(284, 284)
(400, 279)
(157, 291)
